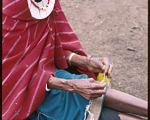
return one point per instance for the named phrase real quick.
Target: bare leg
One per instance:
(128, 117)
(125, 103)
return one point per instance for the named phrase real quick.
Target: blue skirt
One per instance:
(64, 105)
(60, 104)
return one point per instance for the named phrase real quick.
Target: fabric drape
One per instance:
(31, 51)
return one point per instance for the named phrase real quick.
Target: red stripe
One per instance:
(20, 13)
(20, 80)
(29, 62)
(4, 19)
(35, 92)
(10, 4)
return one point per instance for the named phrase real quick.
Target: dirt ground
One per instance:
(117, 29)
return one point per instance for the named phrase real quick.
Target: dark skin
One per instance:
(91, 89)
(88, 88)
(94, 64)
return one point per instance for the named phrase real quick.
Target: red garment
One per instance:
(32, 49)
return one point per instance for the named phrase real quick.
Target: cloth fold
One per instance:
(31, 50)
(61, 104)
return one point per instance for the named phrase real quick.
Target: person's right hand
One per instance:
(89, 88)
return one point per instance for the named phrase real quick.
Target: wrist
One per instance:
(69, 58)
(79, 60)
(54, 83)
(58, 83)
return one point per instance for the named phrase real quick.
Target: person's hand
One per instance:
(96, 64)
(88, 88)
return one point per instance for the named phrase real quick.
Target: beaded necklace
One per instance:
(35, 3)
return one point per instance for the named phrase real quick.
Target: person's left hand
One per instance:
(97, 64)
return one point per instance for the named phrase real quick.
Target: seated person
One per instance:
(46, 72)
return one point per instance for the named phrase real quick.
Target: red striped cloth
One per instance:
(32, 49)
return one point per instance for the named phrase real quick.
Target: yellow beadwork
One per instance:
(101, 77)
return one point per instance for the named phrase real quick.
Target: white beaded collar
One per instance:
(42, 9)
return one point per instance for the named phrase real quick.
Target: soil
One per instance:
(116, 29)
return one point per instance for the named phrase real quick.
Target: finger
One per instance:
(98, 92)
(107, 62)
(91, 80)
(92, 96)
(104, 66)
(101, 65)
(98, 63)
(98, 85)
(94, 86)
(97, 66)
(110, 70)
(106, 69)
(100, 82)
(97, 70)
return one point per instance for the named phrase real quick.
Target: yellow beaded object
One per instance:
(101, 77)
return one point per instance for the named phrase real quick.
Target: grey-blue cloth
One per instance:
(64, 105)
(60, 104)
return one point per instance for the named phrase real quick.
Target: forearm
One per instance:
(58, 83)
(78, 60)
(88, 88)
